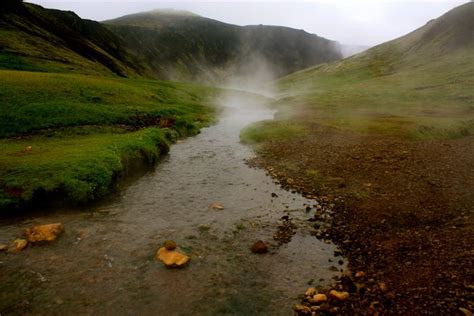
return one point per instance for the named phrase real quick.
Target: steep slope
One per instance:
(181, 45)
(34, 38)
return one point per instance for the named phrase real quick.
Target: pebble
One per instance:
(259, 247)
(360, 274)
(3, 247)
(169, 245)
(340, 296)
(320, 298)
(310, 292)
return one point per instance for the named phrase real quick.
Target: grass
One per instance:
(431, 101)
(83, 131)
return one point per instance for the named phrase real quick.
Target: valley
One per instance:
(280, 169)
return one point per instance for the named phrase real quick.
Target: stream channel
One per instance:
(104, 262)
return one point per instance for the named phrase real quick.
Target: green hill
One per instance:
(416, 86)
(179, 45)
(38, 39)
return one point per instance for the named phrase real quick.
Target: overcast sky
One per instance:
(349, 22)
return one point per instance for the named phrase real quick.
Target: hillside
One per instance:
(38, 39)
(416, 86)
(180, 45)
(388, 137)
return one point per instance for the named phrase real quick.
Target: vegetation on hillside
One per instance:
(186, 46)
(416, 87)
(69, 136)
(37, 39)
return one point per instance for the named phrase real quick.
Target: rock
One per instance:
(302, 309)
(340, 296)
(320, 298)
(44, 233)
(19, 244)
(216, 206)
(3, 247)
(169, 245)
(360, 274)
(310, 292)
(383, 287)
(465, 311)
(259, 247)
(171, 258)
(28, 148)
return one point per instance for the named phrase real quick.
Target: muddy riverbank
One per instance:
(405, 220)
(104, 262)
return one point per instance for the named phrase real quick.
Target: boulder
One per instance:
(171, 258)
(340, 296)
(44, 233)
(259, 247)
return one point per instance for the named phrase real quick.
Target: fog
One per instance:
(365, 23)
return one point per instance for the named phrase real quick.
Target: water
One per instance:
(104, 263)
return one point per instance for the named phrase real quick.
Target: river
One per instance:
(104, 262)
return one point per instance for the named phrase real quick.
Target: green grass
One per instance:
(72, 168)
(426, 101)
(83, 131)
(34, 101)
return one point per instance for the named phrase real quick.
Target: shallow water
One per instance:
(104, 263)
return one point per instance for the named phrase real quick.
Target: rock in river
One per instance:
(259, 247)
(169, 245)
(19, 245)
(216, 206)
(44, 233)
(3, 247)
(171, 258)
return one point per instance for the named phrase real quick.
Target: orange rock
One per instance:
(19, 244)
(310, 292)
(340, 296)
(360, 274)
(320, 298)
(44, 233)
(216, 206)
(171, 258)
(169, 245)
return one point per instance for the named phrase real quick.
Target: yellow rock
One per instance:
(310, 292)
(20, 244)
(3, 247)
(171, 258)
(319, 298)
(44, 233)
(217, 206)
(340, 296)
(28, 148)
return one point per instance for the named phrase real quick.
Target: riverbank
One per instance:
(67, 138)
(406, 220)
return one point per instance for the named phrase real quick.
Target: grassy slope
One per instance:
(82, 131)
(415, 87)
(33, 38)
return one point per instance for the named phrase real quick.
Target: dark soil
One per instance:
(403, 215)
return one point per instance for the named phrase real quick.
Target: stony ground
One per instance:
(404, 216)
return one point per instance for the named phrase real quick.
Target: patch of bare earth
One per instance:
(406, 219)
